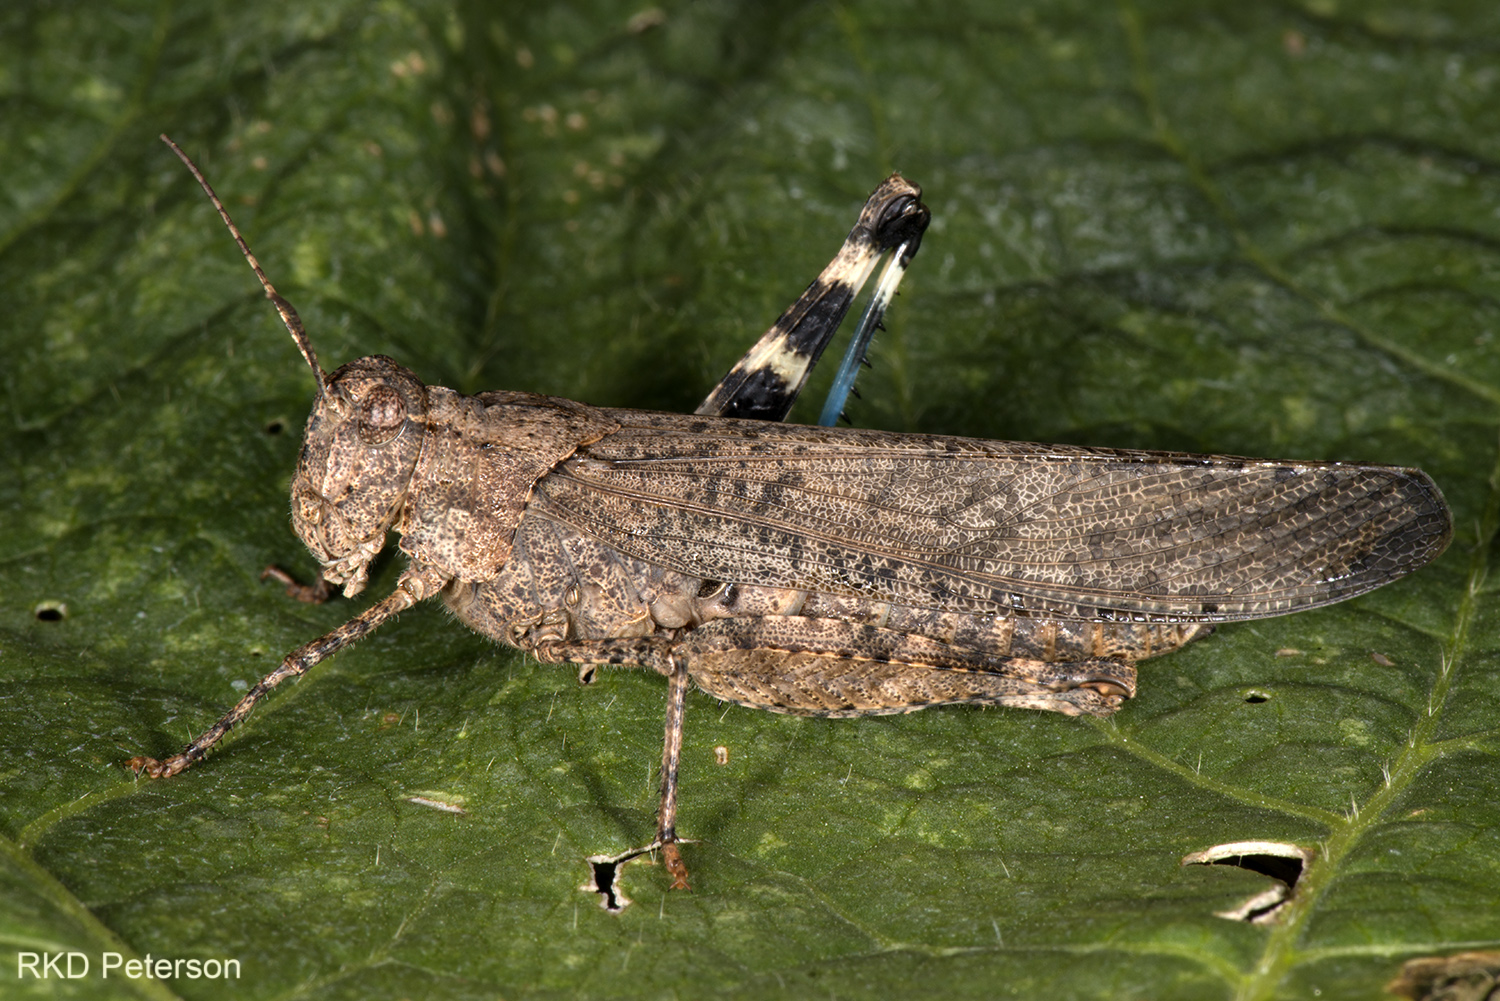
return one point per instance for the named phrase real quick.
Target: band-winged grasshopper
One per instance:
(811, 570)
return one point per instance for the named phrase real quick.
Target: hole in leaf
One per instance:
(50, 611)
(1278, 860)
(274, 427)
(1255, 696)
(605, 871)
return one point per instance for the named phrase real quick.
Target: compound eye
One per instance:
(382, 414)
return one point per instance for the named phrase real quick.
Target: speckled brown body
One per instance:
(748, 550)
(819, 571)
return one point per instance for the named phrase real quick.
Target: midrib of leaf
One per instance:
(1280, 953)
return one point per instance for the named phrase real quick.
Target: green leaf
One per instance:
(1222, 227)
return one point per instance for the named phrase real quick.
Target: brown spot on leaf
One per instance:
(1465, 976)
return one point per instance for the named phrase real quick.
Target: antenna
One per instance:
(288, 314)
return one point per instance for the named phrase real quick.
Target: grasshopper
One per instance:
(811, 570)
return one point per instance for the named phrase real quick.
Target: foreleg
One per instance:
(414, 586)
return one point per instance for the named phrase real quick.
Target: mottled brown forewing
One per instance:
(995, 527)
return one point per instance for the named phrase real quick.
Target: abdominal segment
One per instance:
(800, 651)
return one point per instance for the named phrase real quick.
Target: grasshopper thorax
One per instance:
(354, 475)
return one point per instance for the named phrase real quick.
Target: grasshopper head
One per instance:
(360, 447)
(358, 454)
